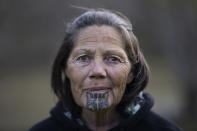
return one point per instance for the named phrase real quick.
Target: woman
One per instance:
(98, 75)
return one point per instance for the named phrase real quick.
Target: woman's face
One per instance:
(98, 68)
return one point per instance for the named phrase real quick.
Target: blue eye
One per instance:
(83, 59)
(113, 60)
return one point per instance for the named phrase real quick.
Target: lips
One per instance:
(98, 89)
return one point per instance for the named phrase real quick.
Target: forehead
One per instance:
(99, 34)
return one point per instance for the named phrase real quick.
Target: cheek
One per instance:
(119, 79)
(76, 77)
(119, 75)
(78, 96)
(116, 95)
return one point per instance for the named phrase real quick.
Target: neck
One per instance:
(100, 120)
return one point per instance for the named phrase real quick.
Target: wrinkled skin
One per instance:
(98, 66)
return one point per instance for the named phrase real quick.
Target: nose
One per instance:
(97, 70)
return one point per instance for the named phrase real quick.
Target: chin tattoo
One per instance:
(97, 101)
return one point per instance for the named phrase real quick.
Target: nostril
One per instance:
(97, 76)
(97, 73)
(97, 70)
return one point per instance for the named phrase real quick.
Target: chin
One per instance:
(98, 110)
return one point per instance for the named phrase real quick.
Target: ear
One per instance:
(130, 77)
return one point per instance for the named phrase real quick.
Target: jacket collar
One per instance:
(134, 112)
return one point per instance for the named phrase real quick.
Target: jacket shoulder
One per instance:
(158, 123)
(48, 124)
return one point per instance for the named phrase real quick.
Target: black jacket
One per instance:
(143, 120)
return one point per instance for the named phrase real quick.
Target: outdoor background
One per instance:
(31, 32)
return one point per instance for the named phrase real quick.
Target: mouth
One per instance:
(98, 89)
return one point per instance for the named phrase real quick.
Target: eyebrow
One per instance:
(83, 50)
(112, 51)
(116, 52)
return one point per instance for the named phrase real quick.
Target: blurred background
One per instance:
(31, 32)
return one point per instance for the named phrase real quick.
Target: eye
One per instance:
(83, 59)
(113, 60)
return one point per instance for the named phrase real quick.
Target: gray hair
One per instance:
(140, 70)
